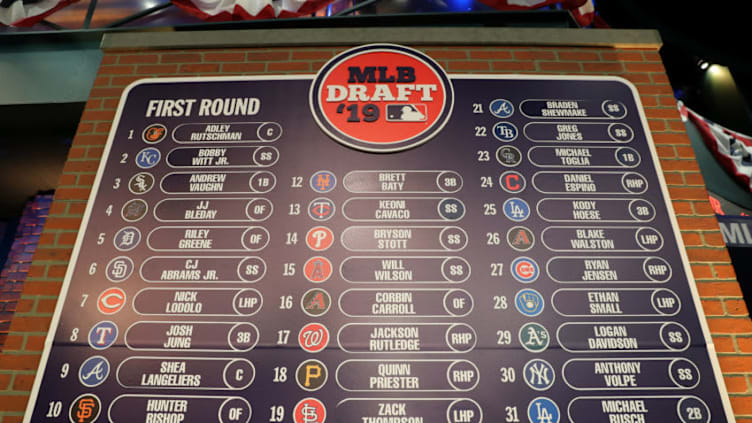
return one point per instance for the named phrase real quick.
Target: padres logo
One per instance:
(381, 98)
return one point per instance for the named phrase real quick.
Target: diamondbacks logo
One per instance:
(315, 302)
(85, 409)
(381, 98)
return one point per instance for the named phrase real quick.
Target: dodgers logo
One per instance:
(505, 131)
(525, 269)
(529, 302)
(516, 209)
(381, 98)
(543, 410)
(539, 374)
(501, 108)
(103, 335)
(148, 158)
(94, 371)
(323, 181)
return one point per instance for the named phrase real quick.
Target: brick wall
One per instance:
(721, 296)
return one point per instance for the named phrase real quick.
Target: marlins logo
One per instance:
(134, 210)
(381, 98)
(85, 409)
(94, 371)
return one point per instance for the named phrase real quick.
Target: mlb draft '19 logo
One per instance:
(381, 98)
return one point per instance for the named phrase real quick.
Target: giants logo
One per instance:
(381, 98)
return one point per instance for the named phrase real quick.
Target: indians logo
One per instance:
(381, 98)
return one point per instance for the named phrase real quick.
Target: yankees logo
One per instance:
(84, 409)
(313, 337)
(319, 238)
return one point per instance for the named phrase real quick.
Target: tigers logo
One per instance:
(381, 98)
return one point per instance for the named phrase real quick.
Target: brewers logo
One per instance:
(381, 98)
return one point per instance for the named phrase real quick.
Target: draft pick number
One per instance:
(381, 98)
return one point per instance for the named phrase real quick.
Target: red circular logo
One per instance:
(381, 98)
(313, 337)
(317, 269)
(309, 410)
(111, 300)
(319, 238)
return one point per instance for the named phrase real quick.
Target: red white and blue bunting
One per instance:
(237, 10)
(583, 11)
(28, 12)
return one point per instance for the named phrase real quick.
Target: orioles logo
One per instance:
(154, 133)
(381, 98)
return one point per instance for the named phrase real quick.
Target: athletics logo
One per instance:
(315, 302)
(539, 374)
(516, 209)
(501, 108)
(520, 238)
(534, 337)
(148, 158)
(317, 269)
(85, 409)
(323, 181)
(319, 238)
(381, 98)
(154, 133)
(103, 335)
(543, 410)
(321, 209)
(524, 269)
(313, 337)
(529, 302)
(311, 375)
(309, 410)
(111, 301)
(94, 371)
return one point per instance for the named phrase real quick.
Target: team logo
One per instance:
(543, 410)
(509, 156)
(313, 337)
(141, 183)
(381, 98)
(148, 158)
(539, 374)
(321, 209)
(119, 269)
(317, 269)
(520, 238)
(111, 300)
(323, 181)
(534, 337)
(134, 210)
(94, 371)
(315, 302)
(127, 238)
(516, 209)
(309, 410)
(319, 238)
(154, 133)
(311, 375)
(85, 409)
(504, 131)
(501, 108)
(524, 269)
(102, 335)
(529, 302)
(512, 181)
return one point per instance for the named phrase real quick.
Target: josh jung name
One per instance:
(184, 107)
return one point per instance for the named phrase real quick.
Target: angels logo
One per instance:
(381, 98)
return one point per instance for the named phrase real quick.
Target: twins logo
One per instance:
(529, 302)
(313, 337)
(516, 209)
(323, 181)
(539, 374)
(381, 98)
(103, 335)
(148, 158)
(321, 209)
(93, 371)
(543, 410)
(501, 108)
(524, 269)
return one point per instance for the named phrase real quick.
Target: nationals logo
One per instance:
(381, 98)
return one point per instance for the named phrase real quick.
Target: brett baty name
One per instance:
(185, 107)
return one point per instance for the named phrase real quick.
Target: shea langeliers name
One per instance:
(184, 107)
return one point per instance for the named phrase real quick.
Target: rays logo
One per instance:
(381, 98)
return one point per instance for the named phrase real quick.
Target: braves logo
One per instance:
(313, 337)
(381, 98)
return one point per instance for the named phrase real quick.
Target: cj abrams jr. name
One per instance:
(184, 107)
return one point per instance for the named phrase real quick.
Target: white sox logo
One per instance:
(313, 337)
(381, 98)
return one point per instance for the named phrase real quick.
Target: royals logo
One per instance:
(381, 98)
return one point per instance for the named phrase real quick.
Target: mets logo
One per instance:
(85, 409)
(381, 98)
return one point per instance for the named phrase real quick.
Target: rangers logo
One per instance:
(315, 302)
(127, 238)
(534, 337)
(501, 108)
(154, 133)
(103, 335)
(111, 301)
(319, 238)
(321, 209)
(148, 158)
(381, 98)
(119, 269)
(317, 269)
(309, 410)
(323, 181)
(512, 182)
(311, 375)
(539, 374)
(313, 337)
(84, 409)
(529, 302)
(543, 410)
(525, 269)
(94, 371)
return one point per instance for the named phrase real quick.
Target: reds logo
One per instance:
(111, 300)
(381, 98)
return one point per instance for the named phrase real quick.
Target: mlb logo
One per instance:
(406, 112)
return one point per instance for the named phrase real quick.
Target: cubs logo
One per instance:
(381, 98)
(111, 301)
(154, 133)
(313, 337)
(85, 409)
(524, 269)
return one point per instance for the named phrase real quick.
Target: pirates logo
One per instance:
(381, 98)
(85, 409)
(311, 375)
